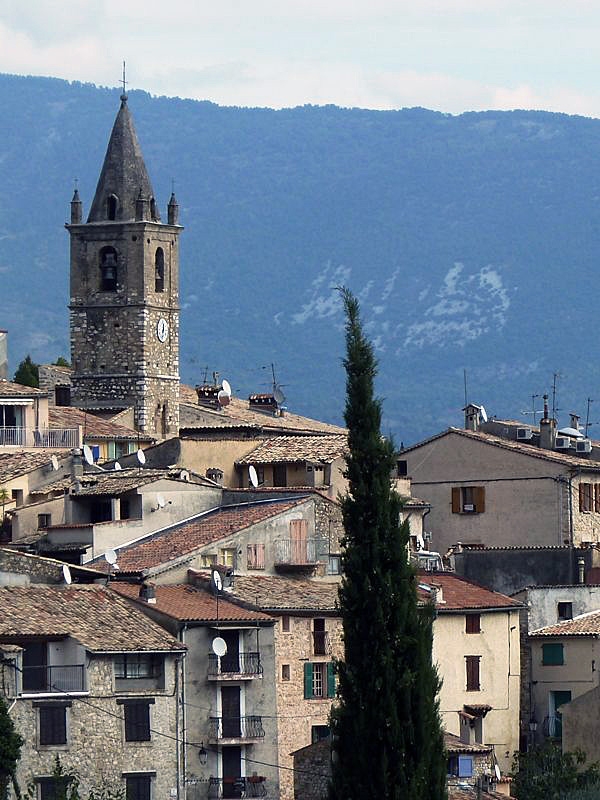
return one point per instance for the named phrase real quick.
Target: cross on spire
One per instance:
(124, 82)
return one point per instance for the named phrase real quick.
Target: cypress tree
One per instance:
(10, 751)
(27, 373)
(387, 740)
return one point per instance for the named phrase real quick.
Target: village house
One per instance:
(92, 680)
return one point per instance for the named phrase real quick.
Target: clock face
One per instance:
(162, 329)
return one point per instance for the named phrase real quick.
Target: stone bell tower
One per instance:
(124, 309)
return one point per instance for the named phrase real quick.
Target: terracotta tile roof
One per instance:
(94, 427)
(98, 618)
(184, 539)
(516, 447)
(282, 593)
(453, 744)
(186, 603)
(13, 463)
(9, 389)
(54, 567)
(583, 625)
(321, 449)
(460, 594)
(239, 414)
(114, 483)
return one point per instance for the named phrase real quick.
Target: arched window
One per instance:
(112, 204)
(159, 270)
(108, 269)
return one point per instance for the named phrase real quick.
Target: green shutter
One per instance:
(552, 655)
(308, 680)
(330, 680)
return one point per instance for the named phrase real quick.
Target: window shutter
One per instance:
(597, 497)
(308, 680)
(479, 497)
(552, 654)
(581, 497)
(330, 679)
(456, 500)
(465, 767)
(260, 555)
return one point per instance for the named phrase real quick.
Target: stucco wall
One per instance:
(581, 725)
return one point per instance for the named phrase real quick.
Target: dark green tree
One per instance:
(546, 773)
(61, 361)
(387, 738)
(27, 373)
(10, 750)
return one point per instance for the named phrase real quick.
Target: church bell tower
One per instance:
(124, 309)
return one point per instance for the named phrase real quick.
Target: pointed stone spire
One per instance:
(76, 208)
(124, 176)
(173, 210)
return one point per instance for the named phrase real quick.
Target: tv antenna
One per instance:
(465, 383)
(555, 377)
(124, 83)
(533, 411)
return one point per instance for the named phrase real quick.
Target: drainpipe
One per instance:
(182, 750)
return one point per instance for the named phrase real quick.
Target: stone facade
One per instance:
(124, 307)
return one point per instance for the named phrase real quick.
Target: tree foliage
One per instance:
(61, 361)
(67, 786)
(27, 373)
(546, 773)
(387, 737)
(10, 750)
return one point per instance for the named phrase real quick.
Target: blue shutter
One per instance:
(465, 767)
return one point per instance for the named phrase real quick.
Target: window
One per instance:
(53, 788)
(319, 680)
(62, 395)
(159, 270)
(255, 554)
(473, 623)
(460, 766)
(468, 500)
(334, 565)
(402, 468)
(279, 475)
(318, 732)
(108, 269)
(285, 672)
(112, 203)
(53, 723)
(208, 560)
(137, 720)
(17, 496)
(597, 497)
(553, 655)
(472, 666)
(285, 624)
(44, 520)
(320, 639)
(586, 496)
(138, 786)
(227, 556)
(138, 665)
(564, 611)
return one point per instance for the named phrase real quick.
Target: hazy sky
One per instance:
(450, 55)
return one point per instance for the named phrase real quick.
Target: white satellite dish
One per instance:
(219, 646)
(279, 396)
(217, 580)
(141, 456)
(111, 557)
(88, 455)
(117, 466)
(223, 398)
(226, 386)
(160, 501)
(67, 574)
(483, 413)
(54, 462)
(497, 771)
(253, 475)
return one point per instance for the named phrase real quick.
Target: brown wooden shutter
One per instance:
(597, 497)
(479, 497)
(456, 500)
(581, 497)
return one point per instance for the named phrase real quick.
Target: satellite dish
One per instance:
(219, 646)
(252, 475)
(483, 413)
(88, 455)
(217, 580)
(160, 501)
(54, 462)
(111, 557)
(141, 457)
(67, 574)
(117, 466)
(279, 396)
(497, 771)
(223, 398)
(226, 386)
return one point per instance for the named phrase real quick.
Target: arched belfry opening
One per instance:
(159, 270)
(112, 206)
(108, 269)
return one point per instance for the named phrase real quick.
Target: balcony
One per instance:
(321, 643)
(254, 786)
(33, 437)
(552, 726)
(235, 729)
(296, 554)
(235, 667)
(64, 678)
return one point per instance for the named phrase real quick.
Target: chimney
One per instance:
(215, 474)
(76, 464)
(472, 417)
(547, 428)
(581, 565)
(574, 421)
(147, 593)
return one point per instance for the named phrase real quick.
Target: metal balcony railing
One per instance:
(65, 678)
(254, 786)
(235, 728)
(33, 437)
(321, 643)
(552, 726)
(238, 664)
(296, 551)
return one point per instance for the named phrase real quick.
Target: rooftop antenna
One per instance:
(205, 375)
(124, 82)
(587, 416)
(465, 381)
(533, 411)
(555, 377)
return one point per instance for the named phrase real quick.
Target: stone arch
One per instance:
(108, 269)
(112, 206)
(159, 270)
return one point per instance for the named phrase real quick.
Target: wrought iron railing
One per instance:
(236, 728)
(64, 678)
(296, 551)
(321, 644)
(33, 437)
(553, 726)
(254, 786)
(234, 664)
